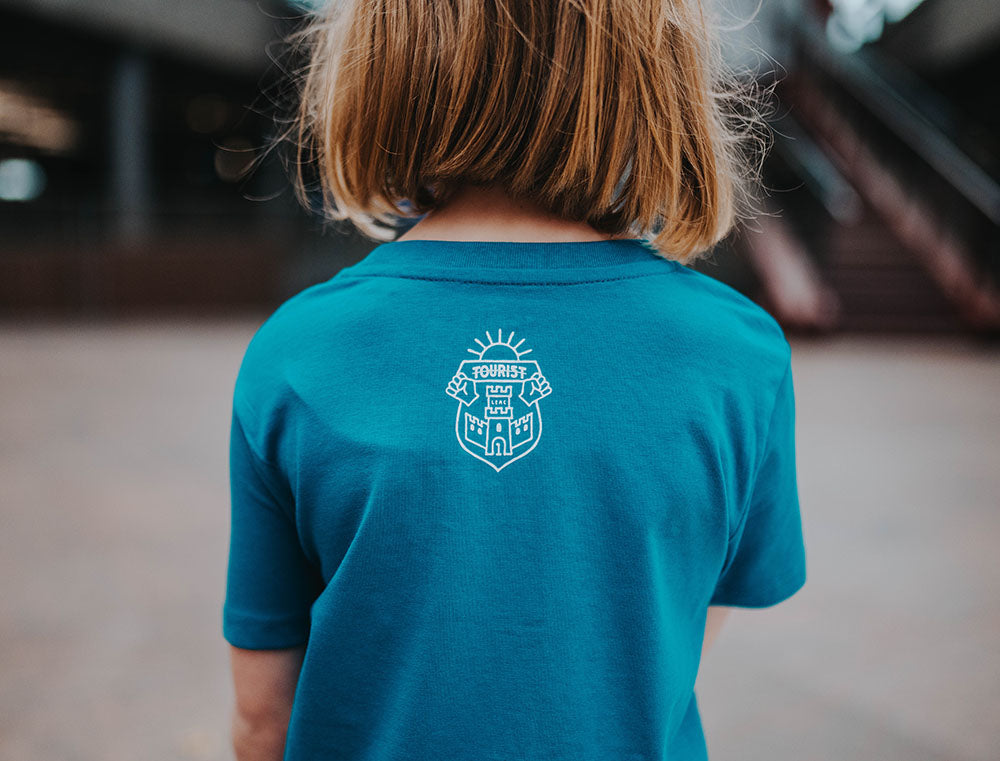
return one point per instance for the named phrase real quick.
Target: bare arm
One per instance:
(717, 616)
(264, 682)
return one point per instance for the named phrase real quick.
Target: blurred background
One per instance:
(138, 256)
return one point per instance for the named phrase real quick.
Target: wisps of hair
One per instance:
(619, 113)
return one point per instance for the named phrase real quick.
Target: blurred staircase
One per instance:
(889, 199)
(880, 285)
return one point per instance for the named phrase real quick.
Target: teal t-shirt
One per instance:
(493, 487)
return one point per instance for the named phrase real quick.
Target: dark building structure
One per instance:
(127, 128)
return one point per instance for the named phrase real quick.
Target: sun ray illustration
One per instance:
(499, 344)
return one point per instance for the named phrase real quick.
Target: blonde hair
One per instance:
(619, 113)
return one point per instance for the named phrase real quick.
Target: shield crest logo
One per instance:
(499, 419)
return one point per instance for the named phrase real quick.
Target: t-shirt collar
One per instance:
(416, 256)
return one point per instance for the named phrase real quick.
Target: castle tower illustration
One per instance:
(498, 419)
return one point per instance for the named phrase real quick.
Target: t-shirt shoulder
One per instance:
(727, 323)
(292, 310)
(741, 305)
(278, 341)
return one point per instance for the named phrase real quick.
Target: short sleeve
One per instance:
(766, 562)
(270, 584)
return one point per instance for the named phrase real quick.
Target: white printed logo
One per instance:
(498, 419)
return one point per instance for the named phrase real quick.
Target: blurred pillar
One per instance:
(130, 148)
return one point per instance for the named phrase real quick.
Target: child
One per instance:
(494, 486)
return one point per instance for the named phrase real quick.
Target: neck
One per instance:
(488, 214)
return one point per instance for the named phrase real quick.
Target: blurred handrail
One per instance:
(817, 171)
(859, 74)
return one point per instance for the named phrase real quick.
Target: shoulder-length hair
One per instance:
(619, 113)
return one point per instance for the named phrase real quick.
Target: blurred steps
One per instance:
(881, 286)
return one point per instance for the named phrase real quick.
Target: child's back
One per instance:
(495, 486)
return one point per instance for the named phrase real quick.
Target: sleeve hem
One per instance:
(757, 599)
(250, 632)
